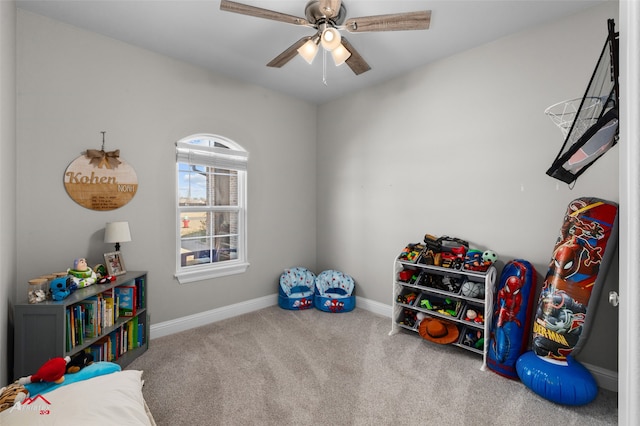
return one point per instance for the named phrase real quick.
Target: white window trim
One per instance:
(194, 275)
(231, 267)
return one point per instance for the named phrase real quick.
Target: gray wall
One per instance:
(72, 84)
(460, 148)
(7, 178)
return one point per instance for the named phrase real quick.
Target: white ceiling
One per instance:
(196, 31)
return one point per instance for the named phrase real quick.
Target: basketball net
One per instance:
(564, 113)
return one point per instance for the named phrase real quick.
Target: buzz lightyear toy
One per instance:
(82, 275)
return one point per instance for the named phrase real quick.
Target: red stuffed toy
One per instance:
(51, 371)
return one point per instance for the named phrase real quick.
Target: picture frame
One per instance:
(114, 263)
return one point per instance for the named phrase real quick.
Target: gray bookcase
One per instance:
(42, 330)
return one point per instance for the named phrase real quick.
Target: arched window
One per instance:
(211, 177)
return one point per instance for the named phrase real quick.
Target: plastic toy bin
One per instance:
(409, 297)
(407, 319)
(442, 305)
(479, 319)
(472, 337)
(445, 283)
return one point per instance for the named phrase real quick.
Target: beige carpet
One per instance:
(278, 367)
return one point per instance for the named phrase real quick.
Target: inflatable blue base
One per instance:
(570, 384)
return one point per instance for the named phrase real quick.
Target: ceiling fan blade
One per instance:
(356, 62)
(394, 22)
(245, 9)
(330, 8)
(288, 54)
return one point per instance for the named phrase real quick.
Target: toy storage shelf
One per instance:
(43, 330)
(483, 305)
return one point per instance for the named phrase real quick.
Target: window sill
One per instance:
(185, 277)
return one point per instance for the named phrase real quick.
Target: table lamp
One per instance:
(117, 232)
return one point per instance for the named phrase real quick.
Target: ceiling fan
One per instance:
(327, 17)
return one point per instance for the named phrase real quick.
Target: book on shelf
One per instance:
(140, 290)
(68, 337)
(127, 299)
(90, 321)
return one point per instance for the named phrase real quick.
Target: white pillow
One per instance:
(112, 399)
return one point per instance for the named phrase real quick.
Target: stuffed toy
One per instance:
(81, 274)
(11, 394)
(79, 361)
(61, 287)
(51, 371)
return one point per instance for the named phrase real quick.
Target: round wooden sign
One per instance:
(100, 180)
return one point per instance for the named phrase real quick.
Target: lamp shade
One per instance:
(117, 232)
(330, 39)
(309, 50)
(340, 54)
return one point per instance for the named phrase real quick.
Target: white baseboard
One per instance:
(606, 379)
(375, 307)
(203, 318)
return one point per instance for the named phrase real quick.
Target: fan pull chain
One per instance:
(324, 67)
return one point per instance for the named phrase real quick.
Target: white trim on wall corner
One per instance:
(606, 379)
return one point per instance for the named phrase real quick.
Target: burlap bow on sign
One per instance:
(100, 158)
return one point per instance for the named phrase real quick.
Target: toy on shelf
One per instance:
(81, 274)
(438, 331)
(450, 307)
(51, 371)
(473, 289)
(477, 260)
(411, 252)
(455, 253)
(473, 316)
(446, 283)
(473, 339)
(489, 256)
(409, 318)
(454, 258)
(60, 288)
(407, 299)
(102, 276)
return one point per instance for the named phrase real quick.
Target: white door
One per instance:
(629, 332)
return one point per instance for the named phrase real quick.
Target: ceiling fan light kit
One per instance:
(327, 18)
(340, 54)
(331, 39)
(309, 50)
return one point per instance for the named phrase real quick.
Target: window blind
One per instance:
(223, 158)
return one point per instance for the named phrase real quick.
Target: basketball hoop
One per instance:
(564, 113)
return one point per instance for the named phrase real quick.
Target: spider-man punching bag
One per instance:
(567, 302)
(511, 324)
